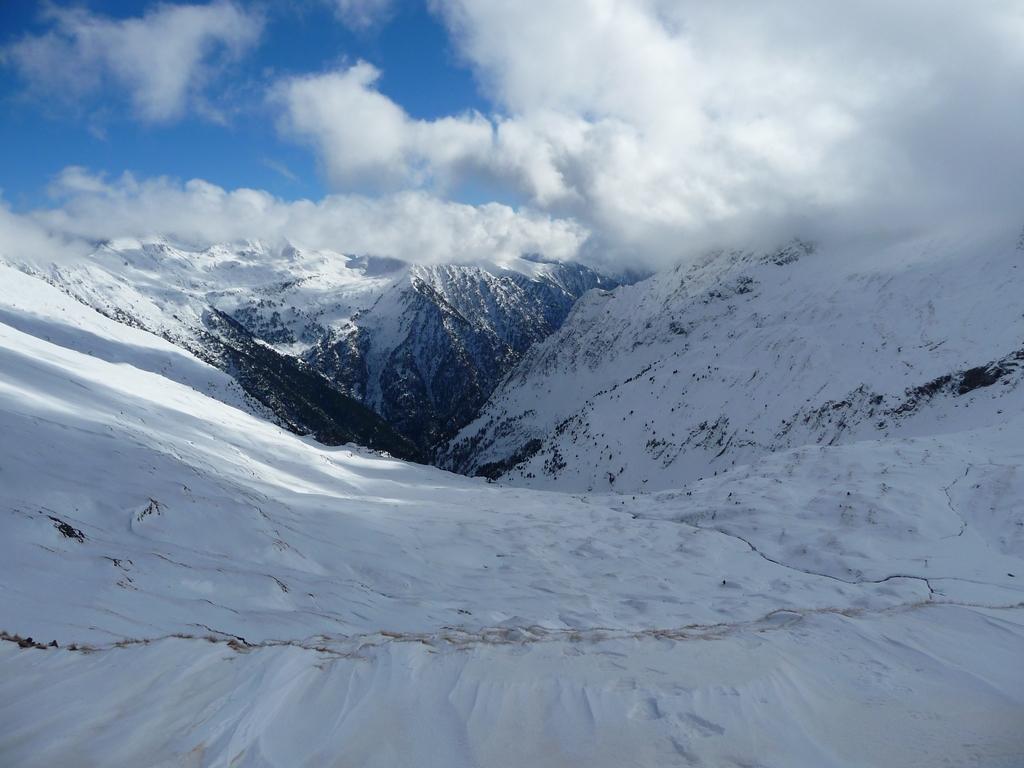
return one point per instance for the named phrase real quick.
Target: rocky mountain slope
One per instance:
(421, 347)
(430, 350)
(713, 365)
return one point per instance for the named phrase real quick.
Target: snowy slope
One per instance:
(710, 366)
(423, 346)
(848, 605)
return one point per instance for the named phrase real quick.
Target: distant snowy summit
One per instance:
(347, 348)
(714, 364)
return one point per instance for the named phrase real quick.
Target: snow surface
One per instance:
(715, 364)
(240, 596)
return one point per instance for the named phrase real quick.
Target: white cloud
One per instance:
(364, 138)
(412, 226)
(656, 120)
(164, 59)
(669, 125)
(662, 126)
(362, 14)
(25, 240)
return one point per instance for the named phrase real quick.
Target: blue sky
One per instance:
(410, 46)
(434, 130)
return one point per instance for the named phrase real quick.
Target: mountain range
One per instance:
(306, 333)
(763, 508)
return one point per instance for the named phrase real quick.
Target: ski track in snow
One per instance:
(858, 604)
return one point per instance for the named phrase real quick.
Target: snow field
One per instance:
(364, 611)
(933, 685)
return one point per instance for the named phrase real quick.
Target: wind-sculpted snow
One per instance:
(422, 346)
(917, 688)
(712, 366)
(223, 592)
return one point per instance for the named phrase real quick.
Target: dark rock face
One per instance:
(271, 328)
(496, 469)
(427, 357)
(961, 382)
(443, 371)
(303, 400)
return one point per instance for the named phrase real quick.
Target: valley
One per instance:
(834, 549)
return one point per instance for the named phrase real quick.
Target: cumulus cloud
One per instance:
(164, 60)
(364, 138)
(662, 126)
(410, 225)
(671, 125)
(660, 119)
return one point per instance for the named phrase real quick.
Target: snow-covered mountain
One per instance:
(182, 583)
(713, 365)
(421, 346)
(430, 350)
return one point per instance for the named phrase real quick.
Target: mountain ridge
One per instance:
(422, 346)
(742, 354)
